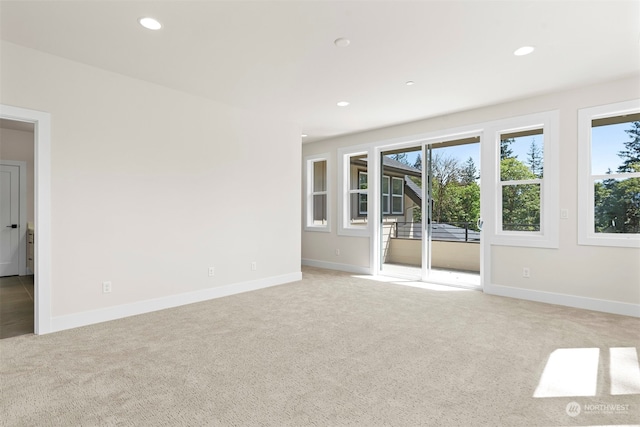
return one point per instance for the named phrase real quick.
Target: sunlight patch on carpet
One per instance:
(570, 372)
(415, 284)
(624, 370)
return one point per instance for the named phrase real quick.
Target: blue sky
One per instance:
(607, 141)
(460, 152)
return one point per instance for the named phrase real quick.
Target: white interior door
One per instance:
(9, 220)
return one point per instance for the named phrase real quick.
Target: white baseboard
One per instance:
(614, 307)
(606, 306)
(76, 320)
(336, 266)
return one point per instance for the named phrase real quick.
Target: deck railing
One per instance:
(452, 231)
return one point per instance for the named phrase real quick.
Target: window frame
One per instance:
(362, 213)
(345, 228)
(386, 210)
(548, 236)
(516, 182)
(400, 196)
(586, 180)
(310, 161)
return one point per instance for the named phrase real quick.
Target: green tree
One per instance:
(469, 172)
(455, 194)
(617, 206)
(417, 215)
(467, 204)
(627, 194)
(631, 152)
(445, 172)
(535, 159)
(400, 157)
(604, 212)
(506, 151)
(418, 163)
(617, 201)
(520, 202)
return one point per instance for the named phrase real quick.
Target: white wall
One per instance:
(582, 272)
(18, 146)
(151, 186)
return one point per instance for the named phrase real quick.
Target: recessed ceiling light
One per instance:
(342, 42)
(304, 135)
(150, 23)
(410, 83)
(524, 50)
(343, 104)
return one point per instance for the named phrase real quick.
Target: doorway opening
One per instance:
(41, 123)
(17, 281)
(437, 236)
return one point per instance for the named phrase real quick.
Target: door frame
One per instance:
(426, 211)
(42, 210)
(427, 159)
(423, 140)
(22, 216)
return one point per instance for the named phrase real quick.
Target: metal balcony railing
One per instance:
(451, 232)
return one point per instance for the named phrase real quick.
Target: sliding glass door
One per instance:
(430, 212)
(400, 212)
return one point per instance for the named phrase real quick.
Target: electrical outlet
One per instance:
(212, 271)
(106, 287)
(337, 252)
(526, 272)
(254, 266)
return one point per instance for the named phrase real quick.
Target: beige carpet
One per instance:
(327, 351)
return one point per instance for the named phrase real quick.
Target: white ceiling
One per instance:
(279, 57)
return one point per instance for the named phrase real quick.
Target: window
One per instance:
(397, 196)
(362, 197)
(386, 207)
(609, 175)
(521, 175)
(392, 195)
(358, 186)
(317, 206)
(359, 193)
(353, 204)
(525, 204)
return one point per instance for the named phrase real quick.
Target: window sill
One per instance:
(610, 240)
(318, 229)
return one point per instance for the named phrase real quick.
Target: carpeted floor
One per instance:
(329, 350)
